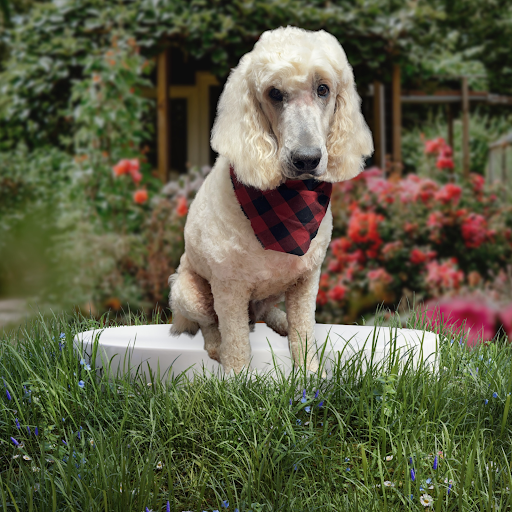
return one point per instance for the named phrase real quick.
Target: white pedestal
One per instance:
(131, 346)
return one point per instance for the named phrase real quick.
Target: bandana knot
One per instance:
(287, 218)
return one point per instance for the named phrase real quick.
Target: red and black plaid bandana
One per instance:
(287, 218)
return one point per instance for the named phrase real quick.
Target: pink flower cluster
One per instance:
(132, 168)
(443, 151)
(415, 234)
(472, 316)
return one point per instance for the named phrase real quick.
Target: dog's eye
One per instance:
(276, 94)
(322, 91)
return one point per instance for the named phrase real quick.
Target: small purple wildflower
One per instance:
(295, 467)
(168, 507)
(495, 395)
(307, 408)
(449, 488)
(317, 393)
(321, 404)
(298, 422)
(435, 463)
(28, 430)
(225, 504)
(147, 509)
(410, 461)
(81, 383)
(413, 475)
(303, 399)
(15, 442)
(290, 401)
(8, 394)
(64, 442)
(36, 431)
(486, 401)
(18, 426)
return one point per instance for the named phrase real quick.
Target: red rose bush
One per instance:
(422, 239)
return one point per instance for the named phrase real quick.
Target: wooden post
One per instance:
(397, 121)
(379, 126)
(465, 128)
(504, 166)
(450, 124)
(163, 124)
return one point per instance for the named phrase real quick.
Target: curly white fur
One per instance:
(226, 280)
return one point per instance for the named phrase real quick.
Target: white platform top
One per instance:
(154, 346)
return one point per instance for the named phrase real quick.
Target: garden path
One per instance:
(11, 311)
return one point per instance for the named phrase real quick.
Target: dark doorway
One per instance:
(179, 138)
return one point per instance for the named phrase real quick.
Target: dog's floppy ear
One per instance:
(350, 139)
(242, 134)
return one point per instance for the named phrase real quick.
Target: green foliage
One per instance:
(50, 47)
(108, 127)
(34, 193)
(262, 442)
(72, 232)
(483, 29)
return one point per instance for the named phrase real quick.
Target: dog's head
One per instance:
(290, 110)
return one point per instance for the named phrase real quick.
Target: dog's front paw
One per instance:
(236, 365)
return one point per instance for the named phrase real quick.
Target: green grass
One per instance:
(238, 439)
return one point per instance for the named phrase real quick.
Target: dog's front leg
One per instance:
(300, 312)
(231, 304)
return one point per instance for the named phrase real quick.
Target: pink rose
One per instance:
(461, 315)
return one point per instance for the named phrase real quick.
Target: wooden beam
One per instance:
(465, 127)
(163, 118)
(397, 120)
(379, 130)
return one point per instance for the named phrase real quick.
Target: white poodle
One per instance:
(289, 112)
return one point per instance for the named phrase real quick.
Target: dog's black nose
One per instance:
(306, 159)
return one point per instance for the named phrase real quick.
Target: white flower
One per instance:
(389, 457)
(26, 457)
(159, 465)
(16, 456)
(387, 483)
(35, 469)
(426, 500)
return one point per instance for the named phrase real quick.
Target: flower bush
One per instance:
(418, 235)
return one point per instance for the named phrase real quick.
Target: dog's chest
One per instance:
(221, 244)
